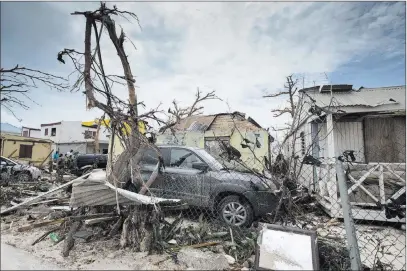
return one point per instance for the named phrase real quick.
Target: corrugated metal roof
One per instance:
(194, 123)
(365, 97)
(95, 191)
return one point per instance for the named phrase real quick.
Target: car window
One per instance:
(183, 158)
(8, 163)
(150, 157)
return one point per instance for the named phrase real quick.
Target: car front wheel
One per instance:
(235, 211)
(24, 177)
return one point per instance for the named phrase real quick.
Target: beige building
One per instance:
(35, 151)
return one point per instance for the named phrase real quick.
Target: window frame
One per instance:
(54, 130)
(23, 153)
(46, 132)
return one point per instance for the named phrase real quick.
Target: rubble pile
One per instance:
(74, 213)
(84, 210)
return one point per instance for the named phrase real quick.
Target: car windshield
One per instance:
(8, 161)
(211, 160)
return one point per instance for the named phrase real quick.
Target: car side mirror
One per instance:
(200, 166)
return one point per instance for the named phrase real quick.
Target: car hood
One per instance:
(247, 178)
(35, 172)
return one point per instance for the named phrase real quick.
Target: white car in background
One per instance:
(23, 173)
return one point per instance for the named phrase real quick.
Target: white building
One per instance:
(76, 136)
(31, 132)
(369, 121)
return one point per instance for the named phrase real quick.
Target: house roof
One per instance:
(35, 129)
(194, 123)
(383, 98)
(202, 123)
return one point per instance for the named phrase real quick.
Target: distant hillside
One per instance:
(9, 129)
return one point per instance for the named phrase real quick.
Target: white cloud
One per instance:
(243, 50)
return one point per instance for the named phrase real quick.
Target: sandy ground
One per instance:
(384, 242)
(100, 255)
(17, 259)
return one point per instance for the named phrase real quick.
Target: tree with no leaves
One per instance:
(17, 82)
(124, 116)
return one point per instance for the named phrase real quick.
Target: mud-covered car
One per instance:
(12, 170)
(196, 177)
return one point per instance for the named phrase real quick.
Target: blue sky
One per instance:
(241, 50)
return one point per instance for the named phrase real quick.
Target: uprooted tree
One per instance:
(137, 223)
(16, 83)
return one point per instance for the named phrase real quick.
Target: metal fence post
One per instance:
(353, 247)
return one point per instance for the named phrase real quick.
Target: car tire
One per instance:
(24, 177)
(233, 208)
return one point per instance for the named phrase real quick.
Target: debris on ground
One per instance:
(72, 216)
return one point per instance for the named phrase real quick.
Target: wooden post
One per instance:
(11, 154)
(46, 158)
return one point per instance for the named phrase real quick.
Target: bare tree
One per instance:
(124, 115)
(177, 113)
(291, 91)
(17, 82)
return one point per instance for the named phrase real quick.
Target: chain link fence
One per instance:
(376, 192)
(225, 199)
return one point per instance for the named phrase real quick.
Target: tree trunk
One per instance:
(138, 228)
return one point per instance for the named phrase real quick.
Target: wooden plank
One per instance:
(363, 204)
(11, 154)
(364, 189)
(40, 224)
(360, 181)
(45, 159)
(100, 219)
(42, 195)
(397, 176)
(397, 194)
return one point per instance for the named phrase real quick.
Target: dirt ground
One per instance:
(99, 255)
(105, 255)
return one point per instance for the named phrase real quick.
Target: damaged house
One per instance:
(217, 133)
(25, 150)
(369, 123)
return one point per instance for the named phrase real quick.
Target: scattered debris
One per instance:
(82, 236)
(200, 260)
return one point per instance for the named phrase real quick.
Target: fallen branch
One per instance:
(45, 235)
(40, 224)
(116, 227)
(69, 241)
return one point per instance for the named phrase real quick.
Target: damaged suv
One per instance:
(23, 173)
(194, 176)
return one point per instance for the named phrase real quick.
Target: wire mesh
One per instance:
(225, 199)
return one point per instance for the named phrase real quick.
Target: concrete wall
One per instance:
(11, 146)
(31, 132)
